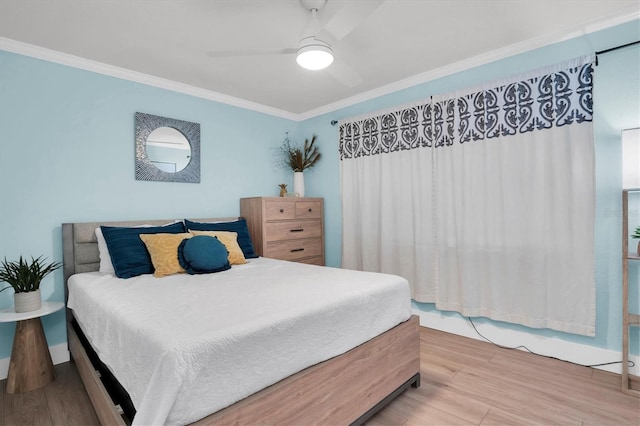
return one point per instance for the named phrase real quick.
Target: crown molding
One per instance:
(628, 15)
(621, 17)
(50, 55)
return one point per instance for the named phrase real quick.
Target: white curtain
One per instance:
(483, 199)
(387, 220)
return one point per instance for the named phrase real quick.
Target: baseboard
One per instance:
(568, 351)
(59, 354)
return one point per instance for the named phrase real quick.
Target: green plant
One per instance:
(24, 276)
(299, 158)
(637, 233)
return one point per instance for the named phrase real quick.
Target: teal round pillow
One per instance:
(203, 254)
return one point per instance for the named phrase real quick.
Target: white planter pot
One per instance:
(27, 302)
(298, 183)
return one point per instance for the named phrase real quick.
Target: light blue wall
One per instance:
(617, 106)
(68, 155)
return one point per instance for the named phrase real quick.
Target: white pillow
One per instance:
(105, 259)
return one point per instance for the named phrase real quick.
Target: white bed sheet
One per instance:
(187, 346)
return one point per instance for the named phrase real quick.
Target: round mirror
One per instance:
(168, 149)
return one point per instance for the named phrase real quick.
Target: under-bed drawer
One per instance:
(295, 249)
(279, 231)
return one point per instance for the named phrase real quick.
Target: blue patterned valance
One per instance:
(552, 99)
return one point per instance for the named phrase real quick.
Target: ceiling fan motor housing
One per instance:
(314, 54)
(313, 4)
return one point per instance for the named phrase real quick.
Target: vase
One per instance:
(298, 183)
(638, 251)
(27, 301)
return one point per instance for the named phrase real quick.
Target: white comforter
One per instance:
(187, 346)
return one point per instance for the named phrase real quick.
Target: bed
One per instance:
(345, 386)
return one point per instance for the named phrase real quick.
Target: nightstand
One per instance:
(286, 228)
(30, 366)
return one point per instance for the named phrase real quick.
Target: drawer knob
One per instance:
(296, 230)
(295, 250)
(310, 210)
(281, 210)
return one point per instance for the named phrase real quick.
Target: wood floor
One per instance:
(469, 382)
(464, 382)
(62, 402)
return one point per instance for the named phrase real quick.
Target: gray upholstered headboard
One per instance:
(80, 246)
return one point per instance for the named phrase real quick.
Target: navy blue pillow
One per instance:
(239, 226)
(203, 254)
(128, 253)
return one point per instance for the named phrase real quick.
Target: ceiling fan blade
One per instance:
(234, 53)
(352, 14)
(344, 73)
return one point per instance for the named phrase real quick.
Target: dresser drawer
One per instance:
(293, 249)
(317, 260)
(289, 230)
(276, 210)
(308, 210)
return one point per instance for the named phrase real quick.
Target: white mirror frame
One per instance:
(145, 169)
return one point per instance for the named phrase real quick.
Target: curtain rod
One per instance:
(601, 52)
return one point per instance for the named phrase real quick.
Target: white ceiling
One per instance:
(394, 40)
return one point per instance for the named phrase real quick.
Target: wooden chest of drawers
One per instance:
(286, 228)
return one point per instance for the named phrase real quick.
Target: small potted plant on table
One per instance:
(25, 277)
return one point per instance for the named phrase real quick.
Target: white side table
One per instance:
(30, 366)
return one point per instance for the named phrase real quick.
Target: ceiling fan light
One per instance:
(315, 56)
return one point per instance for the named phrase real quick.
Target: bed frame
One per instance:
(347, 389)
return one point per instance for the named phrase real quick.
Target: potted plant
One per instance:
(25, 277)
(636, 234)
(299, 159)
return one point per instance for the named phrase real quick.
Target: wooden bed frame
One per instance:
(347, 389)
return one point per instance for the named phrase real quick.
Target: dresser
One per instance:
(286, 228)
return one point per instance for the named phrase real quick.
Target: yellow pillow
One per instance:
(163, 249)
(230, 241)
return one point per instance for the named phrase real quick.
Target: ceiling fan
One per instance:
(314, 49)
